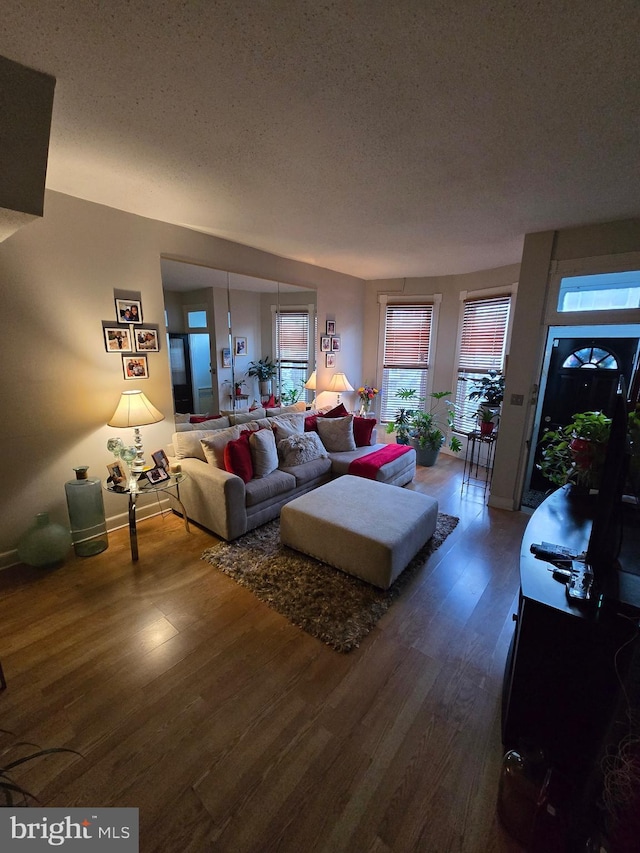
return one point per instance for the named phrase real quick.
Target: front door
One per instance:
(582, 376)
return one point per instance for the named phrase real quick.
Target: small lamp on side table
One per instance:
(339, 383)
(135, 410)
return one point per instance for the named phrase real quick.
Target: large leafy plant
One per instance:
(11, 757)
(575, 453)
(426, 427)
(489, 389)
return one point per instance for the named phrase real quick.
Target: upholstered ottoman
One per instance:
(368, 529)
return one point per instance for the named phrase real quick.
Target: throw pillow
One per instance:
(337, 433)
(298, 449)
(363, 430)
(337, 412)
(198, 419)
(263, 452)
(285, 425)
(237, 457)
(311, 423)
(214, 444)
(188, 444)
(180, 418)
(249, 415)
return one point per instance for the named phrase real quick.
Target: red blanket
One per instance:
(369, 465)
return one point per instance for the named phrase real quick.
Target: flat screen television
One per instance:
(608, 521)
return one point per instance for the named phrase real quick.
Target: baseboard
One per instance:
(114, 522)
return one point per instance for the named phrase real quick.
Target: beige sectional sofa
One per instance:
(224, 503)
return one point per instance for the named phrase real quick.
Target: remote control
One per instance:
(552, 553)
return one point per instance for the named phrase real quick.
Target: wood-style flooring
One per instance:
(233, 731)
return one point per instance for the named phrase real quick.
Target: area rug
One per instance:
(328, 604)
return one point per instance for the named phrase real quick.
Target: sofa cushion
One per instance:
(300, 406)
(337, 433)
(338, 411)
(237, 457)
(308, 471)
(245, 417)
(285, 425)
(263, 452)
(214, 443)
(187, 443)
(363, 430)
(300, 448)
(263, 488)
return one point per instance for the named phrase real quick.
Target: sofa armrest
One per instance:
(214, 498)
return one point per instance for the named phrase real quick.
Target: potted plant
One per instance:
(489, 389)
(264, 370)
(486, 420)
(290, 395)
(575, 453)
(11, 792)
(425, 429)
(401, 424)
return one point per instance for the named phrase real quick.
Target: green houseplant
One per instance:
(425, 429)
(490, 389)
(575, 453)
(11, 792)
(264, 370)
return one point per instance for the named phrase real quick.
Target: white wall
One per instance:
(59, 385)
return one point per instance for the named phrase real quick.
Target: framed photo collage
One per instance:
(130, 337)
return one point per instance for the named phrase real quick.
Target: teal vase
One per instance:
(44, 544)
(86, 514)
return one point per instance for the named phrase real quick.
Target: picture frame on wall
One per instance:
(330, 360)
(147, 340)
(129, 311)
(331, 327)
(117, 339)
(325, 343)
(135, 367)
(226, 357)
(240, 346)
(335, 344)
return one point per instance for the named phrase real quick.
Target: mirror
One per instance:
(220, 325)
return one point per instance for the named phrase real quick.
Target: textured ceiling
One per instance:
(380, 138)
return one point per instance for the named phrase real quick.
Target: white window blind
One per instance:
(483, 340)
(292, 346)
(407, 340)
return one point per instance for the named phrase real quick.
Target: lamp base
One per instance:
(138, 463)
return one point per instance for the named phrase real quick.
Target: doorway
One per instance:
(580, 374)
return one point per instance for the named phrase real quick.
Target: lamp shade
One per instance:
(134, 410)
(311, 383)
(339, 382)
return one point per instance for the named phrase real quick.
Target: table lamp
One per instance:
(135, 410)
(339, 383)
(311, 384)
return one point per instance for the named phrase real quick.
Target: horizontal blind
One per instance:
(292, 329)
(407, 340)
(484, 334)
(482, 348)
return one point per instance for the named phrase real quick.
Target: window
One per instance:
(292, 346)
(602, 292)
(482, 348)
(197, 319)
(592, 357)
(407, 339)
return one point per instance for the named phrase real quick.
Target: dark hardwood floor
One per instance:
(231, 730)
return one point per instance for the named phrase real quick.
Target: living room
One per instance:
(59, 276)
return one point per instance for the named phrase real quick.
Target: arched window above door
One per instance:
(593, 358)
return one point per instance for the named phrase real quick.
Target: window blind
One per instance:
(292, 339)
(483, 340)
(407, 340)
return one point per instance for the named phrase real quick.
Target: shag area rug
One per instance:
(328, 604)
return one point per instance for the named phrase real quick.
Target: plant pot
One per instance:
(425, 456)
(265, 388)
(486, 427)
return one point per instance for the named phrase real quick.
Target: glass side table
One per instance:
(148, 489)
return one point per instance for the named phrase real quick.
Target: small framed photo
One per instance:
(147, 340)
(325, 343)
(117, 339)
(226, 357)
(240, 346)
(331, 327)
(135, 367)
(116, 474)
(330, 360)
(157, 475)
(335, 344)
(161, 459)
(128, 311)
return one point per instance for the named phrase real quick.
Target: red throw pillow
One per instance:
(198, 419)
(311, 423)
(338, 412)
(362, 430)
(270, 404)
(237, 457)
